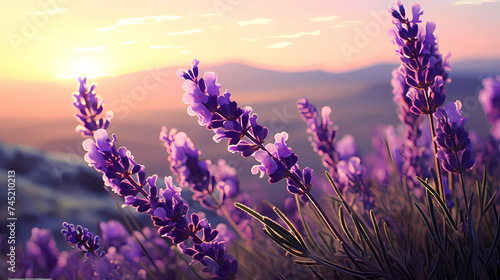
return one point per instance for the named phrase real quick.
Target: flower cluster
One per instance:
(413, 149)
(226, 119)
(454, 143)
(204, 179)
(128, 179)
(88, 243)
(489, 97)
(165, 206)
(340, 157)
(89, 105)
(421, 64)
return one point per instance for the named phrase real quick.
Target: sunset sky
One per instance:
(58, 39)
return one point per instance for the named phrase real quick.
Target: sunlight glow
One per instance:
(88, 67)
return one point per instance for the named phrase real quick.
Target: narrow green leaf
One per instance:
(488, 205)
(430, 205)
(389, 238)
(364, 235)
(346, 230)
(304, 223)
(381, 244)
(351, 257)
(337, 191)
(250, 211)
(283, 243)
(323, 239)
(302, 262)
(441, 203)
(426, 221)
(291, 227)
(279, 230)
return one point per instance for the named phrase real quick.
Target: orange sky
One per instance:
(50, 39)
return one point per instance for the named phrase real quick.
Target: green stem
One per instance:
(325, 218)
(228, 218)
(440, 187)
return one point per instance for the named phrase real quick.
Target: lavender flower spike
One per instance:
(84, 239)
(452, 139)
(423, 66)
(229, 121)
(165, 206)
(89, 105)
(489, 97)
(87, 242)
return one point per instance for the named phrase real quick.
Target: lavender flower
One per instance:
(214, 258)
(422, 65)
(88, 243)
(322, 133)
(41, 254)
(340, 157)
(219, 113)
(196, 174)
(83, 239)
(489, 97)
(126, 178)
(452, 139)
(90, 106)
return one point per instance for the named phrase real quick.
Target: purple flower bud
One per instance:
(452, 139)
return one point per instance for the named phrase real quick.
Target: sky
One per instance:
(59, 39)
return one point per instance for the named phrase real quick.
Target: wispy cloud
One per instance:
(279, 45)
(164, 47)
(346, 23)
(297, 35)
(330, 18)
(249, 40)
(473, 2)
(89, 49)
(255, 21)
(184, 33)
(50, 11)
(139, 20)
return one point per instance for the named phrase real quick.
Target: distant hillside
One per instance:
(145, 101)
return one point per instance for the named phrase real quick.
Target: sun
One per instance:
(87, 66)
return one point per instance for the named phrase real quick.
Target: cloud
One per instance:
(255, 21)
(249, 40)
(330, 18)
(345, 23)
(184, 33)
(473, 2)
(300, 34)
(139, 20)
(50, 12)
(164, 47)
(89, 49)
(279, 45)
